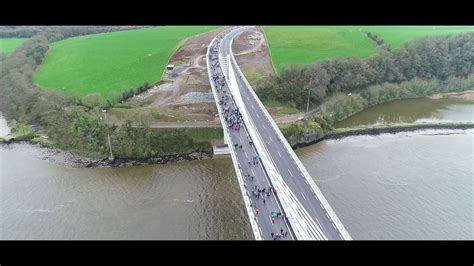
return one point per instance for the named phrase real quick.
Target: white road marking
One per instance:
(290, 172)
(327, 215)
(333, 225)
(303, 195)
(251, 169)
(340, 236)
(279, 154)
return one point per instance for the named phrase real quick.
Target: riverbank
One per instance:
(466, 95)
(66, 158)
(299, 134)
(381, 129)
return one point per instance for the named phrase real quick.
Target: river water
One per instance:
(447, 109)
(410, 185)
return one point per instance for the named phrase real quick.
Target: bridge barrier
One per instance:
(248, 206)
(302, 224)
(345, 235)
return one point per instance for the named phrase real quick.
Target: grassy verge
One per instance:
(307, 44)
(20, 131)
(148, 115)
(205, 134)
(8, 45)
(282, 109)
(394, 36)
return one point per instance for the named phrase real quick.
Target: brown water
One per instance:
(412, 185)
(448, 109)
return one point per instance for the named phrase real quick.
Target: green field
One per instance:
(308, 44)
(110, 63)
(8, 45)
(395, 35)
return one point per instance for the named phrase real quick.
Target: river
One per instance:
(410, 185)
(447, 109)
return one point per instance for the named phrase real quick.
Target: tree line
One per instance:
(56, 33)
(344, 106)
(437, 57)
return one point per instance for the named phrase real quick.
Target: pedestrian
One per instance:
(286, 233)
(281, 231)
(256, 211)
(273, 221)
(263, 201)
(272, 234)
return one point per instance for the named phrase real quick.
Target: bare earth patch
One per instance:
(252, 55)
(181, 93)
(184, 93)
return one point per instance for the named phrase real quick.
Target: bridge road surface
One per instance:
(244, 156)
(284, 163)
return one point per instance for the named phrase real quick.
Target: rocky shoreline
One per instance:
(382, 130)
(66, 158)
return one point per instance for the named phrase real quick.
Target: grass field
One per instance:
(8, 45)
(396, 35)
(308, 44)
(110, 63)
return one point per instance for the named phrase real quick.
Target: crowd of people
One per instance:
(234, 121)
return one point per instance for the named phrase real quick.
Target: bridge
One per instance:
(281, 199)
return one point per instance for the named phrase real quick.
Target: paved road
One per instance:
(284, 163)
(265, 205)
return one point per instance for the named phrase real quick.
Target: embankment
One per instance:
(308, 137)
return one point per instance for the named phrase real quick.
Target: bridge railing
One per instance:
(248, 205)
(345, 235)
(301, 223)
